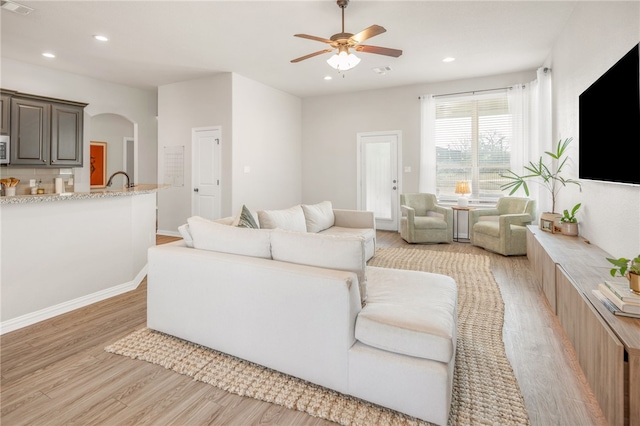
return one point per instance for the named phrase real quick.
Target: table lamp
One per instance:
(463, 187)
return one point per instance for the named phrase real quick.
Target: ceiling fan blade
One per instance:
(310, 37)
(367, 33)
(378, 50)
(311, 55)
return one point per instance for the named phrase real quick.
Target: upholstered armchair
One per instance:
(503, 228)
(424, 221)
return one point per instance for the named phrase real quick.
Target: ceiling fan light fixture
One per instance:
(343, 61)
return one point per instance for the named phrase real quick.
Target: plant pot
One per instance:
(569, 228)
(634, 282)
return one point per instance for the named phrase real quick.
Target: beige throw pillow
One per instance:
(318, 217)
(291, 219)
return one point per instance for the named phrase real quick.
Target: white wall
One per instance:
(330, 125)
(596, 36)
(266, 139)
(138, 106)
(181, 107)
(260, 130)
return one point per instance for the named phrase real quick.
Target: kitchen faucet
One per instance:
(129, 183)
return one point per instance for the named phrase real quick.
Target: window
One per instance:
(472, 142)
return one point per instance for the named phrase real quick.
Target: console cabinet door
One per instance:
(30, 132)
(66, 135)
(600, 353)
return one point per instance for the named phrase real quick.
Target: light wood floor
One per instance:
(57, 372)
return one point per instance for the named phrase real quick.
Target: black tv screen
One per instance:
(609, 129)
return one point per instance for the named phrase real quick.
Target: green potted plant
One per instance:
(548, 176)
(569, 221)
(629, 268)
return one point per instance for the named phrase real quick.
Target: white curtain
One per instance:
(530, 106)
(427, 180)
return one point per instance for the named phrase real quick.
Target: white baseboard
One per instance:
(168, 233)
(62, 308)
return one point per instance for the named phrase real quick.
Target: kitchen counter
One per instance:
(61, 252)
(65, 196)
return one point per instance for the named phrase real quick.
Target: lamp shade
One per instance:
(343, 61)
(463, 187)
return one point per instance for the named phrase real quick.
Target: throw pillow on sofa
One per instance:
(345, 253)
(246, 220)
(209, 235)
(186, 235)
(291, 219)
(318, 217)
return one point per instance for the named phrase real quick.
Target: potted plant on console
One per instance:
(629, 268)
(549, 177)
(569, 222)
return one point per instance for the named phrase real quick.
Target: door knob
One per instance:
(394, 188)
(195, 189)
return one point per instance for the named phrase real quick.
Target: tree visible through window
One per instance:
(472, 140)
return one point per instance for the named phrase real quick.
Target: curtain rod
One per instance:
(471, 92)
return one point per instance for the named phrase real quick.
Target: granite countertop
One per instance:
(45, 198)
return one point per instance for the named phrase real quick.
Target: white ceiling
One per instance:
(153, 43)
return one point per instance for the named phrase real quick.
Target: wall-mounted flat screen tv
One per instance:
(609, 129)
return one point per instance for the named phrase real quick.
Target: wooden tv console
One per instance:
(607, 345)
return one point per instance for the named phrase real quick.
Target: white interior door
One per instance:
(378, 180)
(205, 166)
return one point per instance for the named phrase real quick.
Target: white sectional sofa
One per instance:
(306, 304)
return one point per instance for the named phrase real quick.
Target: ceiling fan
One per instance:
(343, 60)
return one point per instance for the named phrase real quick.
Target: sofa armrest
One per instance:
(409, 212)
(354, 218)
(475, 215)
(515, 219)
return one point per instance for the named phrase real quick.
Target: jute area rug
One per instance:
(485, 390)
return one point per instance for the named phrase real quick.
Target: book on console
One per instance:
(623, 292)
(620, 304)
(611, 307)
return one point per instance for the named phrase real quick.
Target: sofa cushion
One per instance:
(369, 235)
(246, 219)
(318, 217)
(185, 234)
(291, 219)
(410, 312)
(345, 253)
(209, 235)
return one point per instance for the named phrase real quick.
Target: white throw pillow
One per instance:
(319, 216)
(345, 253)
(291, 219)
(186, 235)
(209, 235)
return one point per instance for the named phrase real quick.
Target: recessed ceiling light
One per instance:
(449, 59)
(328, 77)
(101, 37)
(48, 55)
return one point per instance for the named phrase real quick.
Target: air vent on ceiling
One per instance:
(382, 70)
(15, 7)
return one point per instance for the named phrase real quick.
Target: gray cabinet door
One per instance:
(5, 113)
(66, 135)
(30, 124)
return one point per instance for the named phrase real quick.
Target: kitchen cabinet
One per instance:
(46, 132)
(5, 111)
